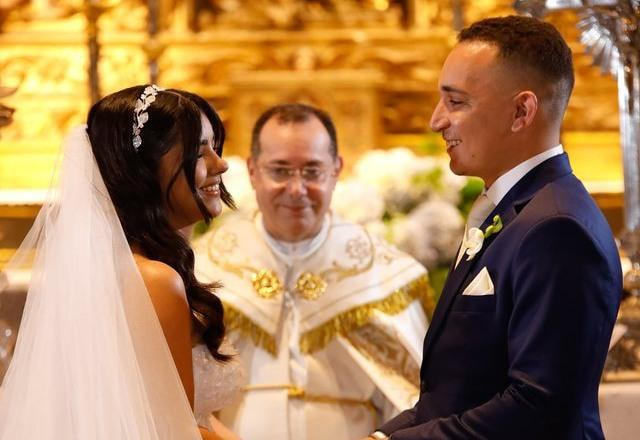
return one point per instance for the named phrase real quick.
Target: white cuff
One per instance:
(378, 435)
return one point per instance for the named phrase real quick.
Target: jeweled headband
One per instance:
(140, 115)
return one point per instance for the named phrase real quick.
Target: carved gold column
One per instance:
(153, 48)
(93, 11)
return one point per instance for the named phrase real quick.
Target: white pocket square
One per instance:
(481, 284)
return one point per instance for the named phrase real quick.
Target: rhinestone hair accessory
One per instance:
(140, 115)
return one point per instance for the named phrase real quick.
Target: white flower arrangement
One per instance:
(431, 232)
(357, 201)
(422, 198)
(381, 168)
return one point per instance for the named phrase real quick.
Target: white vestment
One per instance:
(330, 329)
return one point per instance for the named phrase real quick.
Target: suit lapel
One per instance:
(460, 274)
(508, 209)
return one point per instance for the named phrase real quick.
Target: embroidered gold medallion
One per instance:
(310, 286)
(266, 283)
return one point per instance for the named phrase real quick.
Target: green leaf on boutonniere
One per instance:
(494, 228)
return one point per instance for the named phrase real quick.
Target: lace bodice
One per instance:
(217, 384)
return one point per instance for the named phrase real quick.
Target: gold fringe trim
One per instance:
(234, 320)
(319, 337)
(396, 302)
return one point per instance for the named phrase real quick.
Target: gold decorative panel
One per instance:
(349, 96)
(373, 64)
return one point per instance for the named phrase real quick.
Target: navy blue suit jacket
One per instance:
(525, 362)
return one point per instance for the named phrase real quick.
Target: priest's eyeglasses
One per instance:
(309, 174)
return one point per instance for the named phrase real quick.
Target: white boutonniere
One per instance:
(475, 237)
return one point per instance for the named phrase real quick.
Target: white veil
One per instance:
(91, 361)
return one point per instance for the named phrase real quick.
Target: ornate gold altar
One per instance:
(373, 64)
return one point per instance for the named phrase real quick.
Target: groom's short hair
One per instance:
(533, 47)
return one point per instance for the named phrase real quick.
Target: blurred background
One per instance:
(372, 64)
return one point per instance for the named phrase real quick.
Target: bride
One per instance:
(115, 323)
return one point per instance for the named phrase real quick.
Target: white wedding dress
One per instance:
(217, 384)
(91, 360)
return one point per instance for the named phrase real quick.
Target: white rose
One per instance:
(473, 242)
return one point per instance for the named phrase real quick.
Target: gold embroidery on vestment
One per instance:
(310, 286)
(319, 337)
(234, 320)
(266, 283)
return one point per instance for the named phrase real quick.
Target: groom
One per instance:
(520, 335)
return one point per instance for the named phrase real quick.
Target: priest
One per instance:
(328, 318)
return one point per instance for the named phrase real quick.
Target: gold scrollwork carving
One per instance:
(339, 44)
(297, 14)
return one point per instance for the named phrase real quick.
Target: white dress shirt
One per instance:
(508, 180)
(496, 192)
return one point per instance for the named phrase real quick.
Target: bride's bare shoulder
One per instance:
(169, 299)
(162, 281)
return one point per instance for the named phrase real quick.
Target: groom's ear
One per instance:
(526, 108)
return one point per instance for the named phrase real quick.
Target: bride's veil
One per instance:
(91, 361)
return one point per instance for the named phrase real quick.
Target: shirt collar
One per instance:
(288, 252)
(504, 183)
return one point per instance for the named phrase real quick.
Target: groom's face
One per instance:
(474, 113)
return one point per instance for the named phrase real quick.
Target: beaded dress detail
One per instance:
(217, 384)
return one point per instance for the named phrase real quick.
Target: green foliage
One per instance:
(437, 277)
(469, 193)
(198, 229)
(428, 179)
(494, 228)
(431, 144)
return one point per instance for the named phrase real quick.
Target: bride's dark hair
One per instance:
(131, 177)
